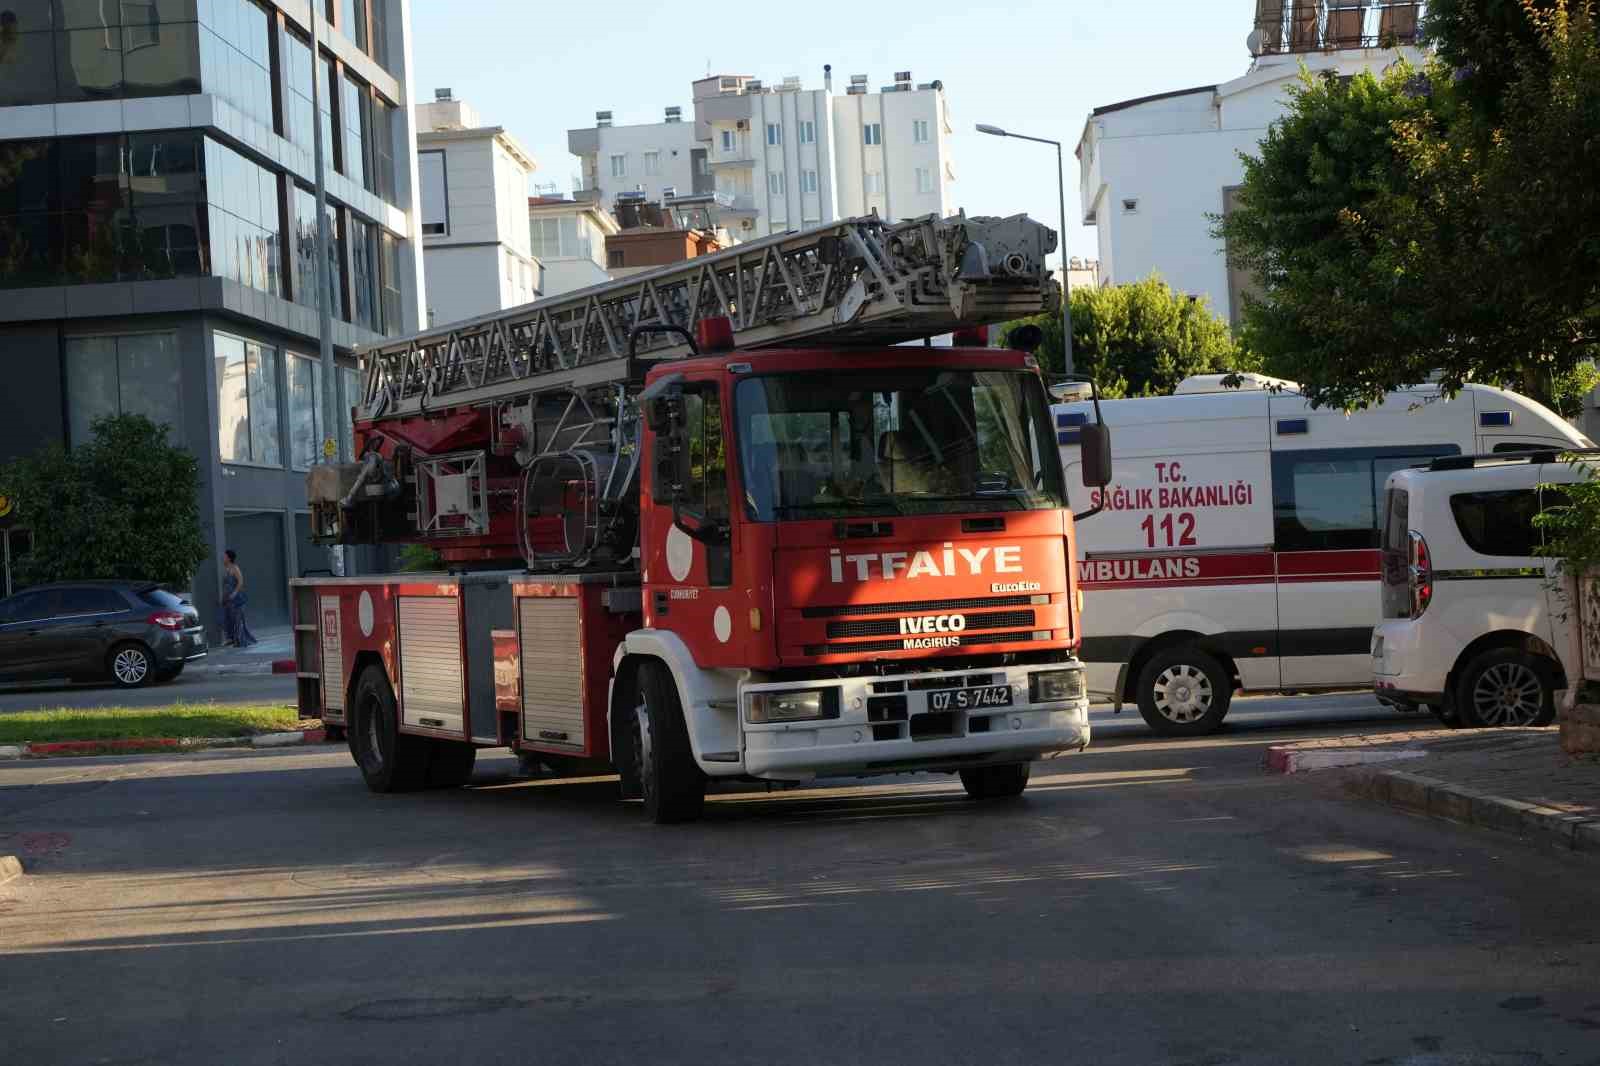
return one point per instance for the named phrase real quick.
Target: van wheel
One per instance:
(389, 760)
(1183, 692)
(670, 783)
(1506, 687)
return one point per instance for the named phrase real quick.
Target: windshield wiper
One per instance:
(833, 505)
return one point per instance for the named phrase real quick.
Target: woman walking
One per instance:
(235, 632)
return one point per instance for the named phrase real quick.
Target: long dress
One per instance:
(233, 606)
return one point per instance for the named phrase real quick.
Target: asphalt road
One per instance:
(1145, 902)
(194, 685)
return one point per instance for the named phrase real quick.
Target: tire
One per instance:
(451, 764)
(389, 760)
(1183, 692)
(671, 785)
(1507, 687)
(131, 666)
(996, 782)
(333, 734)
(171, 673)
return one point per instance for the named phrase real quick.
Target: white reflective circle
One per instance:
(364, 613)
(680, 553)
(722, 624)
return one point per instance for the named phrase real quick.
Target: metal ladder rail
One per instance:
(859, 280)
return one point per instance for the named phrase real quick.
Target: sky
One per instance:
(542, 67)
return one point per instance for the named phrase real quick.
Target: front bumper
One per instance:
(875, 734)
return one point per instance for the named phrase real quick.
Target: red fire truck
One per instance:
(715, 521)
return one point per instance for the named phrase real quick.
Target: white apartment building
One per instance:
(783, 157)
(569, 240)
(1152, 169)
(474, 185)
(650, 158)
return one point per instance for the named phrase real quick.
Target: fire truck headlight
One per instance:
(1055, 686)
(799, 705)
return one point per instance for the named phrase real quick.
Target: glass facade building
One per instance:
(162, 260)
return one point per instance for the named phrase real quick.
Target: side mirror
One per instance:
(1094, 448)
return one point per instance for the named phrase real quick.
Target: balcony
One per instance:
(1286, 27)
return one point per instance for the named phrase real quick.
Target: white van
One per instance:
(1475, 625)
(1238, 545)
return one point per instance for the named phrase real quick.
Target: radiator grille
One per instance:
(898, 644)
(891, 626)
(972, 603)
(552, 678)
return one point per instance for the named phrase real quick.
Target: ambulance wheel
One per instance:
(670, 783)
(390, 761)
(451, 764)
(995, 782)
(1183, 692)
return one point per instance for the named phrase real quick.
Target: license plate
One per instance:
(968, 699)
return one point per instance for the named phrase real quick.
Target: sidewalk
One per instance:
(1511, 780)
(274, 645)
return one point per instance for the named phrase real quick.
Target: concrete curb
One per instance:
(134, 745)
(10, 868)
(1292, 759)
(1456, 803)
(242, 669)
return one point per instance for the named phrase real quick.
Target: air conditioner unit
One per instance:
(742, 124)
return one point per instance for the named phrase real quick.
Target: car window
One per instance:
(76, 601)
(161, 598)
(1497, 523)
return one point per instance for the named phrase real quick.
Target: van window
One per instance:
(1327, 499)
(1396, 560)
(1497, 523)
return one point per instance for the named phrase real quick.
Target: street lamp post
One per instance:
(1066, 263)
(325, 278)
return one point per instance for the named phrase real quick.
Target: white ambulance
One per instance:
(1238, 546)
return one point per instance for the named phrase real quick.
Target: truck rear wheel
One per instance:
(390, 761)
(671, 784)
(996, 782)
(1183, 692)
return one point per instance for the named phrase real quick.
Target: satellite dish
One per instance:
(1255, 41)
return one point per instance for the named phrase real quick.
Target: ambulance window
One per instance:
(1327, 499)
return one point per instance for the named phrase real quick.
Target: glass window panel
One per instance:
(91, 383)
(364, 275)
(30, 16)
(91, 172)
(305, 393)
(569, 236)
(161, 59)
(390, 270)
(30, 250)
(88, 64)
(28, 177)
(328, 86)
(27, 67)
(350, 388)
(383, 147)
(435, 205)
(166, 242)
(92, 251)
(75, 14)
(263, 377)
(147, 373)
(233, 398)
(350, 111)
(379, 33)
(165, 168)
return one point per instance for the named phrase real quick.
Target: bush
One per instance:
(123, 505)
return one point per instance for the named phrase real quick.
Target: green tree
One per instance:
(1139, 339)
(123, 505)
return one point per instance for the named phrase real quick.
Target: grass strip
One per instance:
(176, 720)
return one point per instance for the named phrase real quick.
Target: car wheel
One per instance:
(389, 760)
(996, 782)
(131, 665)
(1183, 692)
(670, 783)
(1507, 687)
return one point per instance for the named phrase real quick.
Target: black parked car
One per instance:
(131, 632)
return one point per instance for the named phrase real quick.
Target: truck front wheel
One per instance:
(996, 782)
(671, 784)
(389, 760)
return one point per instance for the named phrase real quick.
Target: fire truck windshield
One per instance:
(895, 442)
